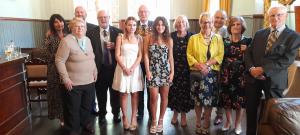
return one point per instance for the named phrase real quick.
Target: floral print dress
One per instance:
(159, 65)
(232, 75)
(180, 92)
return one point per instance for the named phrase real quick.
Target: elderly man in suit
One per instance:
(81, 13)
(103, 39)
(270, 54)
(144, 27)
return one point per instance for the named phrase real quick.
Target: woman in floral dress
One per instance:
(159, 64)
(180, 93)
(57, 31)
(232, 73)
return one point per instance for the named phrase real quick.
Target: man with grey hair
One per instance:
(144, 27)
(81, 13)
(271, 52)
(220, 28)
(103, 39)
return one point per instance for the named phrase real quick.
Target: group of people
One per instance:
(217, 67)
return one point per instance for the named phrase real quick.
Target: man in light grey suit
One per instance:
(270, 54)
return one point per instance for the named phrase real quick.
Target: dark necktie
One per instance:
(106, 52)
(271, 40)
(144, 29)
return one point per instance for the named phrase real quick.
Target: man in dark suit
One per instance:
(272, 51)
(144, 27)
(81, 13)
(103, 39)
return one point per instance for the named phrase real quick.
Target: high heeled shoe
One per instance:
(153, 127)
(238, 129)
(224, 128)
(160, 127)
(132, 127)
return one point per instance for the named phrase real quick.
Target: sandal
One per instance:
(160, 126)
(204, 131)
(132, 127)
(198, 130)
(153, 128)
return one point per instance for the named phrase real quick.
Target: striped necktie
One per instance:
(271, 40)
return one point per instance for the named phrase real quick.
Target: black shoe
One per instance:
(117, 118)
(101, 120)
(90, 128)
(94, 112)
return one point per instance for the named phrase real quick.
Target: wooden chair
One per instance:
(36, 75)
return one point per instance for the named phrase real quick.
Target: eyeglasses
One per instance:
(277, 15)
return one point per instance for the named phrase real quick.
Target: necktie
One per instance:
(106, 52)
(271, 40)
(105, 33)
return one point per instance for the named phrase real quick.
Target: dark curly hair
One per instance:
(51, 23)
(234, 19)
(165, 34)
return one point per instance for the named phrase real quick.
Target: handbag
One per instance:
(196, 75)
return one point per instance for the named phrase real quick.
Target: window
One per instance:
(214, 6)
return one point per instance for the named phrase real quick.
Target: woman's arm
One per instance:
(146, 57)
(61, 57)
(171, 60)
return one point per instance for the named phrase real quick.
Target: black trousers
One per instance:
(141, 95)
(253, 96)
(77, 106)
(104, 83)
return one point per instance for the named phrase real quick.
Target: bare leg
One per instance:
(123, 100)
(183, 119)
(238, 119)
(134, 104)
(164, 92)
(207, 115)
(153, 102)
(174, 118)
(228, 119)
(198, 110)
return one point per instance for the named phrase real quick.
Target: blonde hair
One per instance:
(76, 20)
(184, 18)
(205, 15)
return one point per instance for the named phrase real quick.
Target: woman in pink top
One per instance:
(77, 69)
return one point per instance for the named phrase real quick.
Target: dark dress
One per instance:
(55, 108)
(179, 96)
(233, 75)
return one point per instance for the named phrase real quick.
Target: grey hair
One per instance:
(279, 6)
(184, 18)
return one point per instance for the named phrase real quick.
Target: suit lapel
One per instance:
(281, 37)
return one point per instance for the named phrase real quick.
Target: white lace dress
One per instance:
(134, 82)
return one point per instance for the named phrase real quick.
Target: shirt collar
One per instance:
(107, 29)
(146, 23)
(279, 30)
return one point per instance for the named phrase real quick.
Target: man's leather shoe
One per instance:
(117, 118)
(89, 128)
(101, 120)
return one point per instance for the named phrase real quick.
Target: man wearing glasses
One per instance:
(270, 54)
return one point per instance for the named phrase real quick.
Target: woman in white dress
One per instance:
(128, 78)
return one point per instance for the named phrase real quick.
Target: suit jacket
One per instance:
(90, 26)
(277, 60)
(94, 35)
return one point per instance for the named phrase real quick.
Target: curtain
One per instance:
(226, 6)
(205, 5)
(267, 4)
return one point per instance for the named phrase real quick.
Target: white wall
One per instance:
(190, 8)
(247, 7)
(36, 9)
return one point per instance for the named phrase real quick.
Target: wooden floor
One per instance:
(41, 125)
